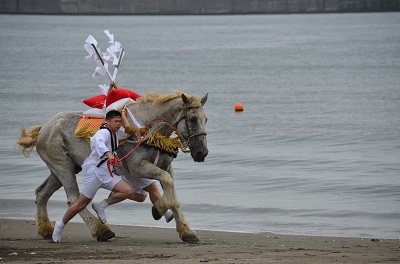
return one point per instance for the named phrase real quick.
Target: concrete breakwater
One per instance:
(193, 7)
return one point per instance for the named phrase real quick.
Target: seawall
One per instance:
(193, 7)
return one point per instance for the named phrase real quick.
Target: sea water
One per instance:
(316, 150)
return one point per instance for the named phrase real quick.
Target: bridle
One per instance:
(183, 116)
(150, 129)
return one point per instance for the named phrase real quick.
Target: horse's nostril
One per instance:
(201, 154)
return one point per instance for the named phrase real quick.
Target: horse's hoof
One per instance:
(190, 239)
(108, 234)
(155, 213)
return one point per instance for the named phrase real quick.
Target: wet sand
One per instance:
(20, 244)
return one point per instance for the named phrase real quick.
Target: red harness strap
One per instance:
(114, 163)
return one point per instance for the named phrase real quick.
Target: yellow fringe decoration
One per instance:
(167, 144)
(130, 130)
(87, 127)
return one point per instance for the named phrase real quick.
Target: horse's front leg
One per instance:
(168, 200)
(187, 234)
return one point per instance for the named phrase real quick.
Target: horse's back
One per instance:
(56, 140)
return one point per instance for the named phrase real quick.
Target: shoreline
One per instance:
(20, 244)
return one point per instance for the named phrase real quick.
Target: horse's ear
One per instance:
(185, 100)
(204, 99)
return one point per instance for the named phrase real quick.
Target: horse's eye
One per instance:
(193, 120)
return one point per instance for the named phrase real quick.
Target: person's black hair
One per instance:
(113, 113)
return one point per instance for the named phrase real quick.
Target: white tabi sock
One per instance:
(103, 204)
(99, 209)
(58, 228)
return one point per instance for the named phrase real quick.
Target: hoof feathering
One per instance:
(155, 213)
(190, 239)
(106, 236)
(46, 237)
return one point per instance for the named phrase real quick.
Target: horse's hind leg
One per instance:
(97, 229)
(45, 228)
(43, 193)
(64, 170)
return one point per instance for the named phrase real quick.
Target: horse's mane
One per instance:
(152, 97)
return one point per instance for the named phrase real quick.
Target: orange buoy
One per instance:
(239, 107)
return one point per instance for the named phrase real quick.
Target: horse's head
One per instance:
(191, 125)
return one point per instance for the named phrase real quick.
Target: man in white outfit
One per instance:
(99, 174)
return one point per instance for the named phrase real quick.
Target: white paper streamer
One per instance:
(110, 36)
(104, 88)
(102, 70)
(112, 56)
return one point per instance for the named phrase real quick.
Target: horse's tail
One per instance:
(27, 141)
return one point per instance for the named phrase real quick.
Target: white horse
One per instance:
(64, 154)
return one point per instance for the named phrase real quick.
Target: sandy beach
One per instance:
(19, 244)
